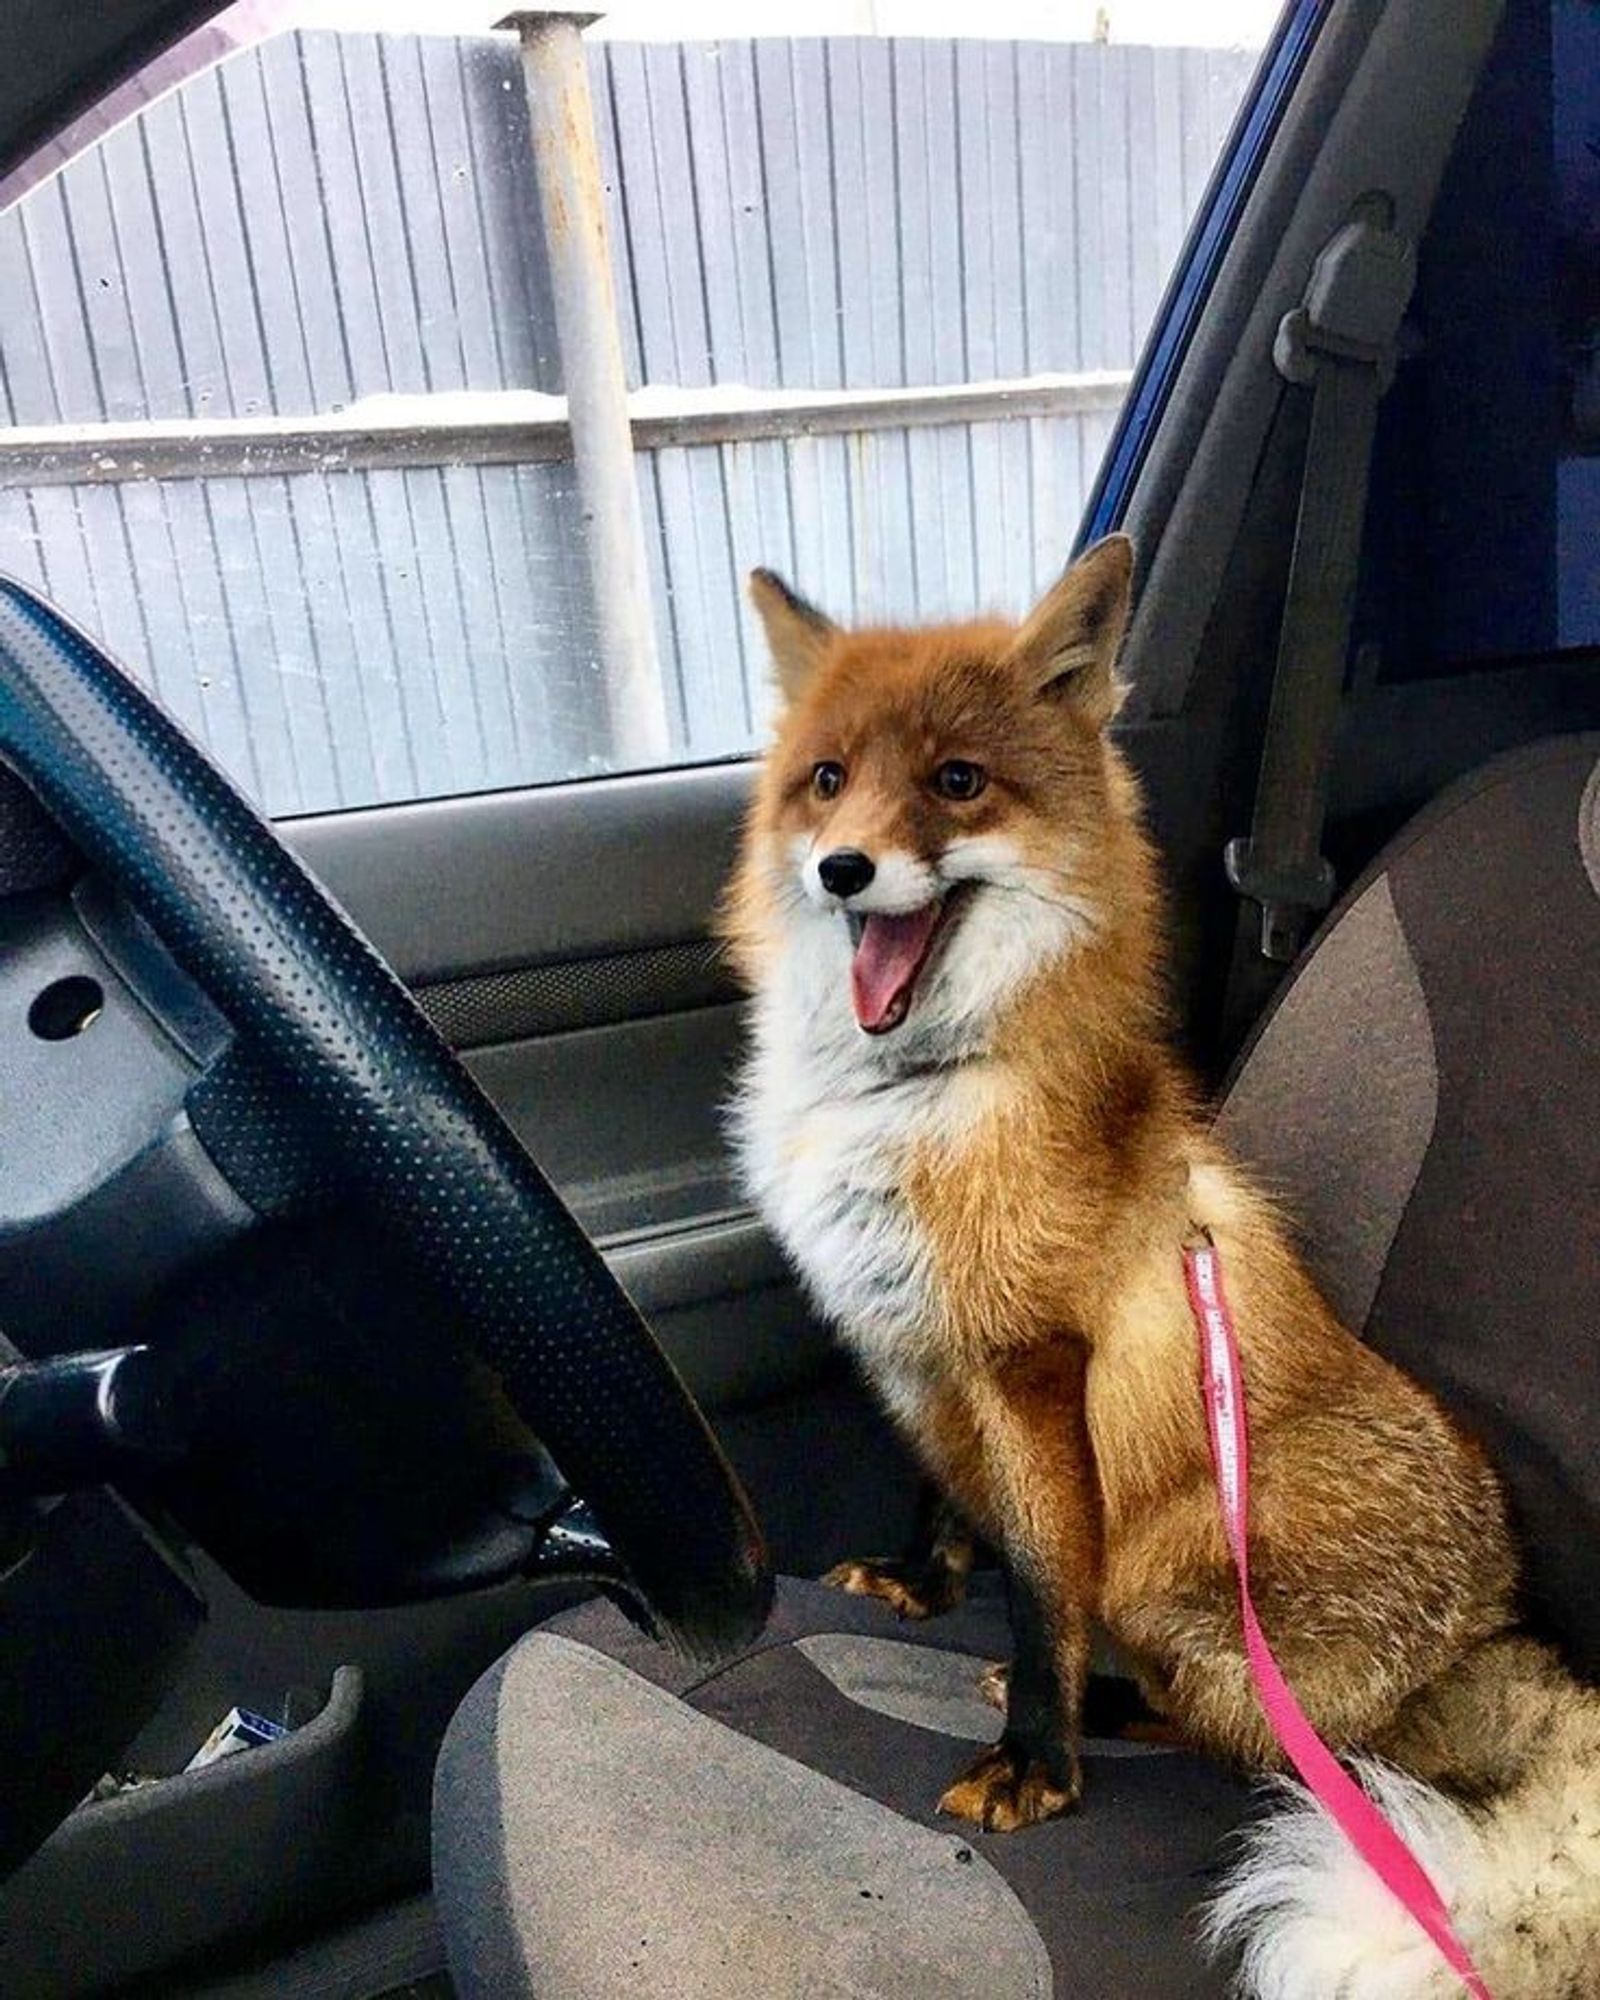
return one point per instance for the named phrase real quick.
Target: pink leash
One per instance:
(1368, 1832)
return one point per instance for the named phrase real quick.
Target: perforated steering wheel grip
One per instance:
(348, 1094)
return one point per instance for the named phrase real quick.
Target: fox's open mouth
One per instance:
(889, 956)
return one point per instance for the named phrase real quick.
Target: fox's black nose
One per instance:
(845, 872)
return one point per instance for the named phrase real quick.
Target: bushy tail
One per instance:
(1521, 1878)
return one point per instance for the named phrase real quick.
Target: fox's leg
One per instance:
(1114, 1707)
(931, 1577)
(1032, 1772)
(1184, 1634)
(1202, 1680)
(1030, 1423)
(1357, 1626)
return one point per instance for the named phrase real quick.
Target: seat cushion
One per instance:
(606, 1824)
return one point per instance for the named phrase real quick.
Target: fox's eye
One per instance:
(957, 779)
(827, 780)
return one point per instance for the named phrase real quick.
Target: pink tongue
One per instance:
(886, 963)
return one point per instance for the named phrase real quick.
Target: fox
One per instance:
(963, 1114)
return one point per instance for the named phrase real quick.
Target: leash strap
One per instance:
(1368, 1832)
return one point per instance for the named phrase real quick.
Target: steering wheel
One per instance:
(464, 1394)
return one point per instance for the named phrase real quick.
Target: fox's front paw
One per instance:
(1006, 1789)
(914, 1590)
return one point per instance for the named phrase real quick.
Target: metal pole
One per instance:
(567, 166)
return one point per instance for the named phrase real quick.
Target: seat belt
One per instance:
(1341, 343)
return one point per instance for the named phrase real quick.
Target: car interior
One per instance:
(386, 1348)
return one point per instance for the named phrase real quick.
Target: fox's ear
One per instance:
(1067, 644)
(797, 632)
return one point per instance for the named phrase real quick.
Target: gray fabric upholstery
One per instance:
(925, 1685)
(1445, 1170)
(814, 1888)
(1491, 1292)
(536, 1846)
(1426, 1098)
(1336, 1106)
(916, 1684)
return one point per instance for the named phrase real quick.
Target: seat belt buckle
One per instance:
(1289, 897)
(1355, 301)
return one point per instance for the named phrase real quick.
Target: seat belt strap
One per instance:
(1341, 343)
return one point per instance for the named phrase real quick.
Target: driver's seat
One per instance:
(1427, 1096)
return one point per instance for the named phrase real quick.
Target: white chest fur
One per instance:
(825, 1124)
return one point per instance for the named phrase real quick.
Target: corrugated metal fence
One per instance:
(334, 218)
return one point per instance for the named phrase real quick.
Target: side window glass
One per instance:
(284, 408)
